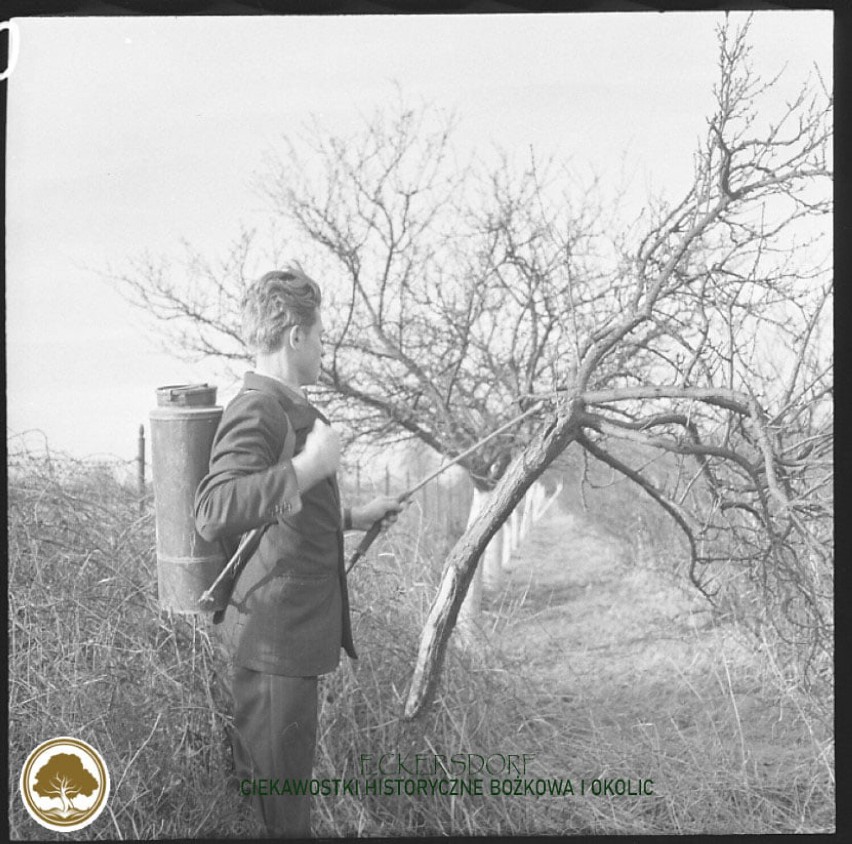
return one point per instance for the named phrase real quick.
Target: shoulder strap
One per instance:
(294, 424)
(301, 416)
(289, 448)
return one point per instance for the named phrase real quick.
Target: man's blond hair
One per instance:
(277, 301)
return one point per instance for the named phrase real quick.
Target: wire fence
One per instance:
(444, 503)
(30, 450)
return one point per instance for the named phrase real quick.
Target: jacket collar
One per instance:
(266, 384)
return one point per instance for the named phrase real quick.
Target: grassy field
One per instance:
(594, 663)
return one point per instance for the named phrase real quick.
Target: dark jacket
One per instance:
(289, 610)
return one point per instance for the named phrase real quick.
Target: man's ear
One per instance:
(295, 336)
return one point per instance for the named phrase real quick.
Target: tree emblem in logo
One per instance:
(64, 784)
(64, 777)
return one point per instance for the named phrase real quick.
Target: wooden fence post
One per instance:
(140, 468)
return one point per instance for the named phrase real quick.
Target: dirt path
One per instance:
(634, 678)
(589, 611)
(618, 641)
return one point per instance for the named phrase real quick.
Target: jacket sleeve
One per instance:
(251, 481)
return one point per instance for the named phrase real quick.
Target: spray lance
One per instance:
(373, 532)
(251, 540)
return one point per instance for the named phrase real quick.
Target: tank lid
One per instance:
(186, 395)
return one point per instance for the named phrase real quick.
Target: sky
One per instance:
(129, 136)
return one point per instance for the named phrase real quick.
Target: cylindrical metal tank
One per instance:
(183, 426)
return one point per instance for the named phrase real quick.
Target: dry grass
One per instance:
(651, 683)
(730, 738)
(91, 655)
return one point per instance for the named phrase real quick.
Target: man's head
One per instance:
(282, 319)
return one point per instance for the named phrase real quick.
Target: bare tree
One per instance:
(703, 342)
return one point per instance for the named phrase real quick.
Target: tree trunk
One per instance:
(492, 563)
(506, 541)
(546, 502)
(514, 525)
(532, 506)
(471, 609)
(470, 612)
(462, 562)
(529, 502)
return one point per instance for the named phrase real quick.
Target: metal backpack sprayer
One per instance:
(183, 426)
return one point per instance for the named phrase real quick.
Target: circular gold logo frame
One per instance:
(80, 749)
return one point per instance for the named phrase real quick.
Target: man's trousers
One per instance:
(275, 731)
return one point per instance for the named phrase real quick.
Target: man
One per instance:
(274, 462)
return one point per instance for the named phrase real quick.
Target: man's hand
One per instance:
(384, 507)
(319, 458)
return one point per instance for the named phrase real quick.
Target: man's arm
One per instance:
(251, 482)
(254, 477)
